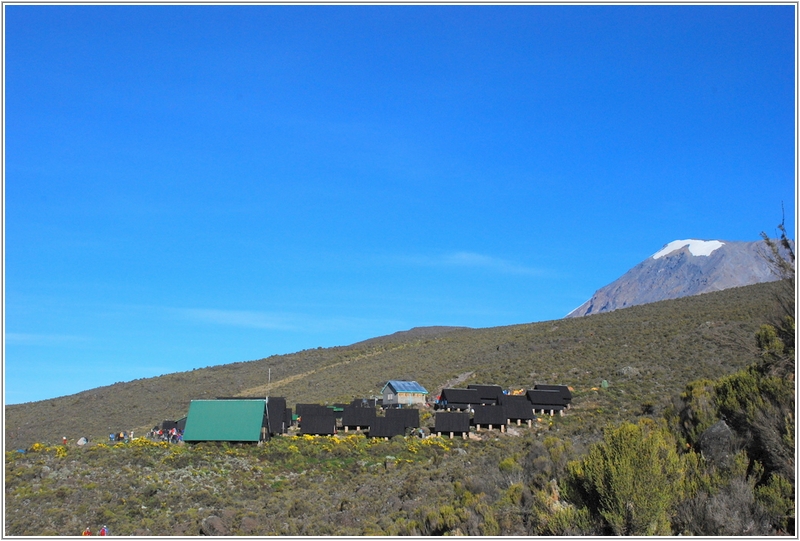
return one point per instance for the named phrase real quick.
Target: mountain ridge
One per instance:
(684, 268)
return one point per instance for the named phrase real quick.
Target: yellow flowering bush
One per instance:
(438, 443)
(144, 442)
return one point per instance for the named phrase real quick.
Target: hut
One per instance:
(318, 425)
(452, 423)
(403, 392)
(408, 416)
(387, 427)
(316, 419)
(518, 409)
(458, 399)
(225, 420)
(276, 415)
(489, 395)
(490, 417)
(546, 401)
(563, 390)
(357, 418)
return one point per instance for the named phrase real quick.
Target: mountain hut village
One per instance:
(455, 412)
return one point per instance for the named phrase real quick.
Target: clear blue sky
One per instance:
(188, 186)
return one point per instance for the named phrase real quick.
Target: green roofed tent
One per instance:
(224, 420)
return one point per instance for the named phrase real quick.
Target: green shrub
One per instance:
(777, 499)
(630, 479)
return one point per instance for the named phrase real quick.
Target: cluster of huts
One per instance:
(256, 419)
(489, 406)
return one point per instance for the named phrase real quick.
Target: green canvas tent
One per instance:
(224, 420)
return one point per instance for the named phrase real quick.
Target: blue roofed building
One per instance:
(404, 393)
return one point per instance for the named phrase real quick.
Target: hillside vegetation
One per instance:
(646, 354)
(682, 423)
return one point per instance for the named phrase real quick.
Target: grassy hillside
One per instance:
(646, 354)
(693, 435)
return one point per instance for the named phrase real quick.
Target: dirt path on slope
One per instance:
(461, 378)
(269, 387)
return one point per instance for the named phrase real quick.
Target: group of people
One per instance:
(173, 435)
(103, 531)
(123, 436)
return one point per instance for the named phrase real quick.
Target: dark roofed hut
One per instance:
(409, 416)
(387, 427)
(518, 408)
(276, 415)
(566, 394)
(357, 417)
(458, 399)
(453, 423)
(489, 395)
(546, 401)
(490, 416)
(316, 419)
(318, 425)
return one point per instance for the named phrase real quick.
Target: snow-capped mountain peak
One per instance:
(696, 247)
(672, 272)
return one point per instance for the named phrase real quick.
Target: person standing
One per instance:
(87, 531)
(103, 531)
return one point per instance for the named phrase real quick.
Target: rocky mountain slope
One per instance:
(683, 268)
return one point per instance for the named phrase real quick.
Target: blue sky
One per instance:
(188, 186)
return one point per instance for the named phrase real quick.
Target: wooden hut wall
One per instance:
(451, 422)
(490, 415)
(318, 425)
(387, 427)
(518, 407)
(358, 416)
(410, 416)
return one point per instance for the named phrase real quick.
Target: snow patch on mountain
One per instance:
(696, 247)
